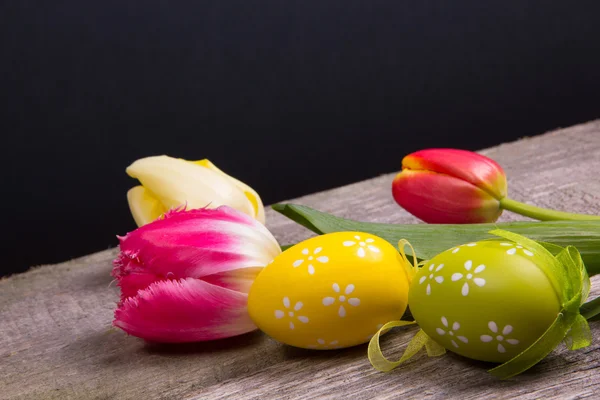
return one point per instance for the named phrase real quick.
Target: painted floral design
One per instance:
(311, 259)
(433, 270)
(457, 249)
(291, 312)
(353, 301)
(362, 245)
(500, 337)
(469, 276)
(514, 248)
(451, 331)
(323, 344)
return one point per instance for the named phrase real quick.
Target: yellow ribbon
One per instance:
(378, 360)
(420, 340)
(411, 268)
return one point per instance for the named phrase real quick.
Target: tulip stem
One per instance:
(542, 214)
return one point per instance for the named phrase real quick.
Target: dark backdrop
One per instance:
(291, 97)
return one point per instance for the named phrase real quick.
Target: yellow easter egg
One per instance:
(330, 291)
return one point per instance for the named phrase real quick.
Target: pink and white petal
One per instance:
(201, 242)
(187, 310)
(131, 283)
(131, 275)
(239, 280)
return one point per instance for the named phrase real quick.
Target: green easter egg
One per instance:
(487, 300)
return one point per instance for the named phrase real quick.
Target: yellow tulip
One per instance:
(168, 182)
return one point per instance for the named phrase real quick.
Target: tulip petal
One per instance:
(479, 170)
(197, 244)
(144, 206)
(136, 276)
(187, 310)
(177, 182)
(239, 280)
(251, 195)
(425, 194)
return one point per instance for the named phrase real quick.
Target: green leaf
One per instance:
(431, 239)
(591, 310)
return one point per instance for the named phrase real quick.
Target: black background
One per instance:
(291, 97)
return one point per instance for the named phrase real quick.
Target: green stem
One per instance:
(542, 214)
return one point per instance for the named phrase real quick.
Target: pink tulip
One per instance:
(185, 277)
(451, 186)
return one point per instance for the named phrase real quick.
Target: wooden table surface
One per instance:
(56, 340)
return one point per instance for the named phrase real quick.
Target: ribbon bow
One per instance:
(569, 279)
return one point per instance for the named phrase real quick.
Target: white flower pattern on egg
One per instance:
(514, 247)
(469, 277)
(322, 344)
(500, 337)
(432, 277)
(311, 258)
(291, 313)
(361, 252)
(451, 331)
(353, 301)
(457, 249)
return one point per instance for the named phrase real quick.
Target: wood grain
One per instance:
(56, 340)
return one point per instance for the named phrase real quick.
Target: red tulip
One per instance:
(451, 186)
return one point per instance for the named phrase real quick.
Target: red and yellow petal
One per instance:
(443, 199)
(476, 169)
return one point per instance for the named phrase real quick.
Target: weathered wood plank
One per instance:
(56, 341)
